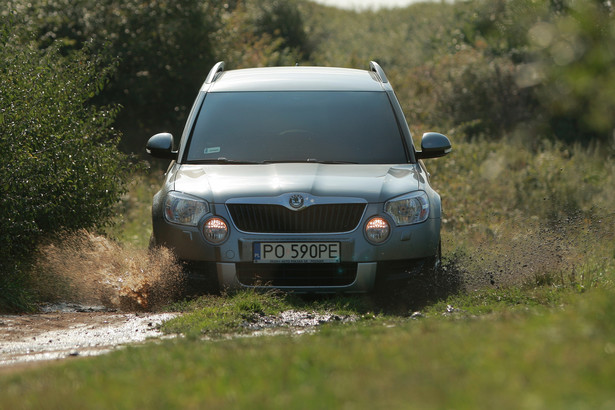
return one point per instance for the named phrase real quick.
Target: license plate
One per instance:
(297, 252)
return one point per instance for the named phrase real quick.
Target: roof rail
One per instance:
(375, 67)
(218, 68)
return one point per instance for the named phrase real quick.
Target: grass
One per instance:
(547, 352)
(133, 224)
(545, 343)
(216, 315)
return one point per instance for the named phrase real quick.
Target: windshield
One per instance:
(288, 126)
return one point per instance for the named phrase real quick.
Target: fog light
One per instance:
(377, 229)
(215, 230)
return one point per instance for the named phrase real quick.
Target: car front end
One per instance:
(307, 227)
(298, 178)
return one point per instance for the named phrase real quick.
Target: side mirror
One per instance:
(433, 145)
(161, 146)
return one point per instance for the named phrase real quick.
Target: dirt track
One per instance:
(72, 331)
(67, 331)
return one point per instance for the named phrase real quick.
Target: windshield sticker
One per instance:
(211, 150)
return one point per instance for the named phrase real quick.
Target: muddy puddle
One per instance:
(294, 322)
(65, 331)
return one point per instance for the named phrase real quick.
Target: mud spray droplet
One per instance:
(91, 269)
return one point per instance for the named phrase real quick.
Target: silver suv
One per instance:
(299, 178)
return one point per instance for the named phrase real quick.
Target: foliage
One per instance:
(481, 67)
(132, 225)
(563, 53)
(468, 92)
(62, 169)
(533, 215)
(257, 33)
(576, 54)
(398, 39)
(165, 49)
(543, 182)
(283, 20)
(486, 68)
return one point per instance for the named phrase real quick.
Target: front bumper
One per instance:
(361, 262)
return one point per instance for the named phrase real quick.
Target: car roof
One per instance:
(298, 78)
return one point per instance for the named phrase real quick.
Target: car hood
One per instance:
(219, 183)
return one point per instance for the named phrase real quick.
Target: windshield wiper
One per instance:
(223, 160)
(309, 160)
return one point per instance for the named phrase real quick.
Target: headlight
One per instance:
(184, 209)
(408, 209)
(215, 230)
(377, 229)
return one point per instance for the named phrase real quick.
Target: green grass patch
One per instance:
(214, 315)
(132, 225)
(535, 358)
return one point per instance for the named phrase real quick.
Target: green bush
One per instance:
(513, 181)
(468, 92)
(62, 169)
(283, 20)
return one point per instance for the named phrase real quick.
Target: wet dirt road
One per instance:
(68, 331)
(72, 331)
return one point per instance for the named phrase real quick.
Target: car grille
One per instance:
(296, 274)
(325, 218)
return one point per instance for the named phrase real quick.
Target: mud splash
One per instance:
(531, 252)
(89, 269)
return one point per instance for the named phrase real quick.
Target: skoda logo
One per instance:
(296, 201)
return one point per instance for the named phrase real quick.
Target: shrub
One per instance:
(576, 54)
(470, 92)
(283, 20)
(61, 170)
